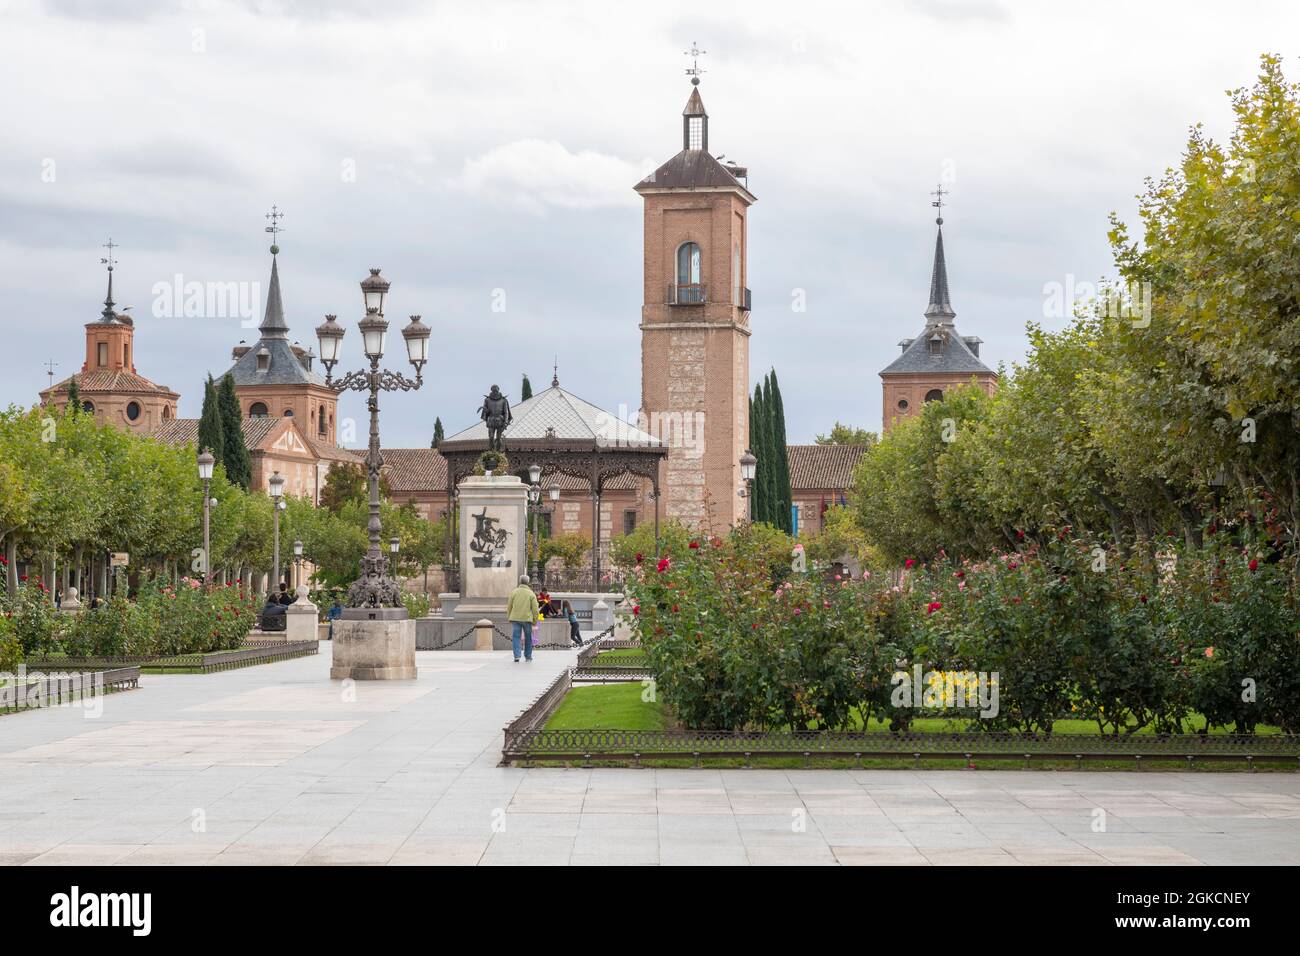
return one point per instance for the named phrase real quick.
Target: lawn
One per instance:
(620, 707)
(608, 707)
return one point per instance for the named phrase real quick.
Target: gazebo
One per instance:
(563, 435)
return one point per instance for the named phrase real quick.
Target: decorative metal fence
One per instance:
(528, 742)
(35, 689)
(205, 663)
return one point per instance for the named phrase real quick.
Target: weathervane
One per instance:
(109, 261)
(555, 373)
(49, 370)
(694, 70)
(274, 228)
(939, 193)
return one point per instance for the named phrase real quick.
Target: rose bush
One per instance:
(1070, 630)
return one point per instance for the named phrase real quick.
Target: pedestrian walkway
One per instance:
(276, 764)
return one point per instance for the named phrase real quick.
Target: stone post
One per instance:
(483, 635)
(300, 618)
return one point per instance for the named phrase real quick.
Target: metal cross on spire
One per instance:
(555, 373)
(109, 260)
(694, 70)
(50, 365)
(937, 203)
(274, 228)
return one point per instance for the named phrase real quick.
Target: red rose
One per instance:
(1143, 599)
(636, 608)
(676, 609)
(960, 574)
(695, 546)
(663, 565)
(1254, 565)
(639, 557)
(909, 563)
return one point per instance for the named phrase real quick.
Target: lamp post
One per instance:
(534, 502)
(297, 564)
(748, 466)
(375, 588)
(206, 461)
(275, 488)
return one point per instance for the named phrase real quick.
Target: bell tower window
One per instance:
(688, 264)
(695, 133)
(101, 354)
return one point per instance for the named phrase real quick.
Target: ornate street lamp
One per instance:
(534, 502)
(206, 461)
(748, 466)
(375, 588)
(275, 488)
(297, 563)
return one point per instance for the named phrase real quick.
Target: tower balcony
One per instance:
(684, 294)
(746, 300)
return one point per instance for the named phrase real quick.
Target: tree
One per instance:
(525, 390)
(781, 473)
(74, 395)
(437, 433)
(847, 435)
(758, 444)
(348, 482)
(211, 426)
(239, 468)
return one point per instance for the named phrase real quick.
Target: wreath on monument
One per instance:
(493, 461)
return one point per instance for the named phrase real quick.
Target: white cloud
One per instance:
(535, 174)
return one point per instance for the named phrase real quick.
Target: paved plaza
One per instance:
(272, 765)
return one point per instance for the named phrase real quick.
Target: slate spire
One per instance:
(939, 311)
(273, 324)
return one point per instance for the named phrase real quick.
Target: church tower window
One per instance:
(102, 354)
(934, 395)
(257, 410)
(688, 264)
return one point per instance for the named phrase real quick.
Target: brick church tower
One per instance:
(695, 325)
(110, 387)
(937, 360)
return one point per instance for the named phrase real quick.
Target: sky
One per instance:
(483, 155)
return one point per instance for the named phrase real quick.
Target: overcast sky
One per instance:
(467, 148)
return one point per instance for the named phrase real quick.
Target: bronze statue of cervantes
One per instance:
(495, 410)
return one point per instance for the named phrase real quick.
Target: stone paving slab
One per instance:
(277, 765)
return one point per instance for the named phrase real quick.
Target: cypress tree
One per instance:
(437, 433)
(525, 390)
(763, 451)
(211, 434)
(74, 395)
(239, 467)
(781, 458)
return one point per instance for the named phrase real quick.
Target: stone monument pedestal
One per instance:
(493, 545)
(378, 646)
(301, 618)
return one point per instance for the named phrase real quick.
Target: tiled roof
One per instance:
(951, 354)
(569, 417)
(691, 169)
(814, 467)
(111, 381)
(423, 469)
(328, 452)
(415, 469)
(185, 431)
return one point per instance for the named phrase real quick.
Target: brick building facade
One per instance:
(695, 325)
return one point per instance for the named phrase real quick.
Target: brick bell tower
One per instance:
(695, 324)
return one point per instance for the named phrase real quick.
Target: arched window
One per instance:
(257, 410)
(132, 410)
(88, 407)
(688, 264)
(934, 395)
(288, 413)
